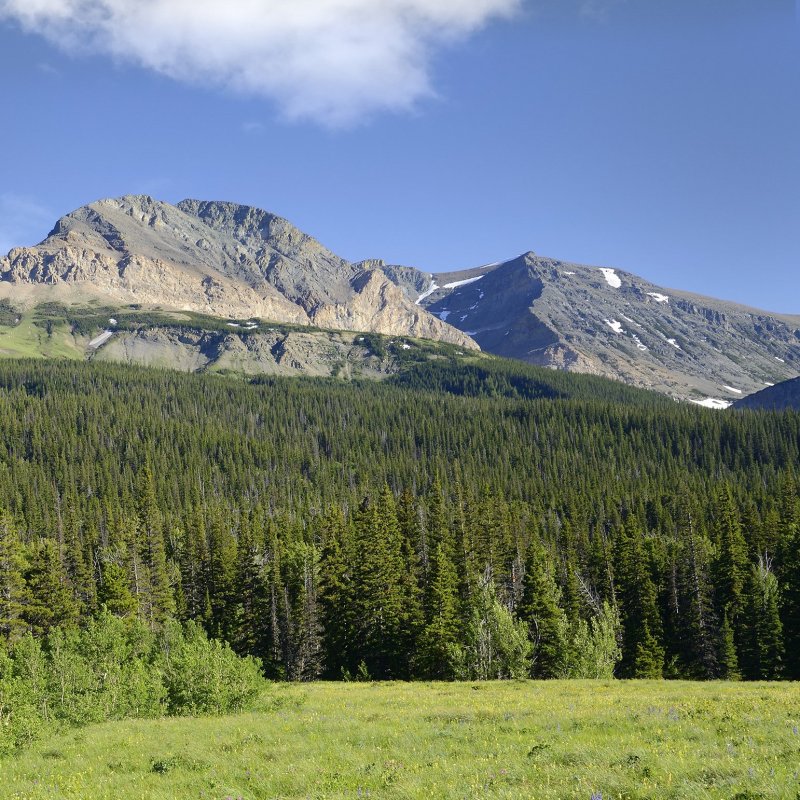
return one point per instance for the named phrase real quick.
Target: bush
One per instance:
(116, 669)
(204, 676)
(593, 650)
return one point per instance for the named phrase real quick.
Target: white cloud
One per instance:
(328, 60)
(23, 222)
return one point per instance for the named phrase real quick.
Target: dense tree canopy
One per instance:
(406, 529)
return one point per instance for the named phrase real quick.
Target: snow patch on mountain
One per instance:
(100, 340)
(456, 284)
(429, 291)
(713, 402)
(612, 279)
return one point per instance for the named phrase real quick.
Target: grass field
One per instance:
(497, 740)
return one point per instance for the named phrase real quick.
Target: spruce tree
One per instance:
(114, 592)
(764, 650)
(789, 572)
(12, 584)
(540, 609)
(440, 638)
(50, 600)
(642, 648)
(380, 616)
(336, 599)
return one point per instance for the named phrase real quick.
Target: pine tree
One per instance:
(764, 650)
(441, 634)
(789, 574)
(50, 600)
(642, 648)
(541, 610)
(12, 584)
(728, 660)
(76, 556)
(160, 601)
(378, 599)
(307, 649)
(730, 567)
(114, 592)
(730, 572)
(700, 628)
(248, 591)
(336, 599)
(221, 574)
(194, 561)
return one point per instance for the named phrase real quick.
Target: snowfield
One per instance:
(456, 284)
(100, 340)
(612, 279)
(713, 402)
(429, 291)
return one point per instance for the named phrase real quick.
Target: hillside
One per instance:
(318, 524)
(192, 342)
(775, 398)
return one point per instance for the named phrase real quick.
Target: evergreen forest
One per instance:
(443, 524)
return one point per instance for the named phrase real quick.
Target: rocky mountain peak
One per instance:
(216, 258)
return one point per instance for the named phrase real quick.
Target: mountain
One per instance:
(218, 258)
(774, 398)
(241, 263)
(609, 322)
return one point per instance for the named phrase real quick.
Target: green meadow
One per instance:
(556, 739)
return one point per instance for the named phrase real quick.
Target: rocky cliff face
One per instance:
(216, 258)
(609, 322)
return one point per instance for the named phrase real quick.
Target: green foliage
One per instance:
(204, 676)
(496, 645)
(318, 525)
(114, 669)
(540, 608)
(12, 585)
(9, 315)
(593, 649)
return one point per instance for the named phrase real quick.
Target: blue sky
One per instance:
(658, 137)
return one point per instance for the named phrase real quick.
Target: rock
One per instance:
(216, 258)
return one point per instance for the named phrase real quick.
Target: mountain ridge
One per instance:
(136, 249)
(237, 261)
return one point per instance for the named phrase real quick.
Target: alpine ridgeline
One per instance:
(612, 323)
(215, 258)
(236, 261)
